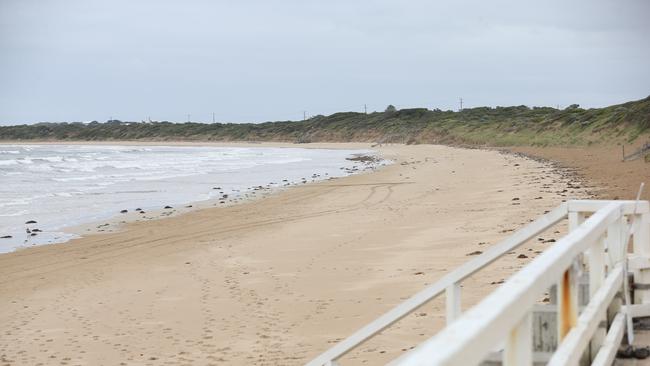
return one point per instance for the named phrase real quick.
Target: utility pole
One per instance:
(304, 115)
(365, 109)
(213, 120)
(461, 104)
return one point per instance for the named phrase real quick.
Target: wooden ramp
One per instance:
(598, 276)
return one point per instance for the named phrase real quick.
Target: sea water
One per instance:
(59, 186)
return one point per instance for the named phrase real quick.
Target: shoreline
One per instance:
(120, 222)
(275, 281)
(598, 165)
(113, 222)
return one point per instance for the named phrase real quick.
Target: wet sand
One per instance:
(277, 280)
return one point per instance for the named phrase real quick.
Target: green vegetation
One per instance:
(500, 126)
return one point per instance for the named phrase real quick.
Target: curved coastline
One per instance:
(278, 279)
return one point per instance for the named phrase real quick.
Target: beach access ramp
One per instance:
(597, 276)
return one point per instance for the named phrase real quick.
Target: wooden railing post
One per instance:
(596, 261)
(614, 241)
(567, 295)
(575, 219)
(519, 346)
(641, 240)
(452, 300)
(567, 288)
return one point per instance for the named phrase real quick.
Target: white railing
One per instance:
(597, 235)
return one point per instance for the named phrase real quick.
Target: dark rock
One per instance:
(418, 273)
(522, 256)
(124, 211)
(626, 351)
(138, 209)
(30, 222)
(641, 353)
(168, 207)
(6, 237)
(476, 252)
(516, 199)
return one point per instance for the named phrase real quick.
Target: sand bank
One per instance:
(277, 280)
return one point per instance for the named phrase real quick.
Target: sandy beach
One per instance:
(603, 166)
(277, 280)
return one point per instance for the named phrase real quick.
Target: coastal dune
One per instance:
(278, 280)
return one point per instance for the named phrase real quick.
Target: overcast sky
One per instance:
(251, 61)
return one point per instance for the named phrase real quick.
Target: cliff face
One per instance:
(519, 125)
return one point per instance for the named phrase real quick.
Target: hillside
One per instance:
(500, 126)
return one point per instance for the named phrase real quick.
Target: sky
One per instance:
(254, 61)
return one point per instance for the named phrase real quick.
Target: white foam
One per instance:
(59, 185)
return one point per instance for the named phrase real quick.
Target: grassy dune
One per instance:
(500, 126)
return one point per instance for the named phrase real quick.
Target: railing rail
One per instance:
(505, 314)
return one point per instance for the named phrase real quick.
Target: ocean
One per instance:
(47, 188)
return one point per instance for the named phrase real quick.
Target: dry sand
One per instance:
(278, 280)
(602, 166)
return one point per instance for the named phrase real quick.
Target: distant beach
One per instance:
(278, 280)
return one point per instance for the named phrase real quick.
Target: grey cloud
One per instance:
(270, 60)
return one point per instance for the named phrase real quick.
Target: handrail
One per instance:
(482, 327)
(518, 238)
